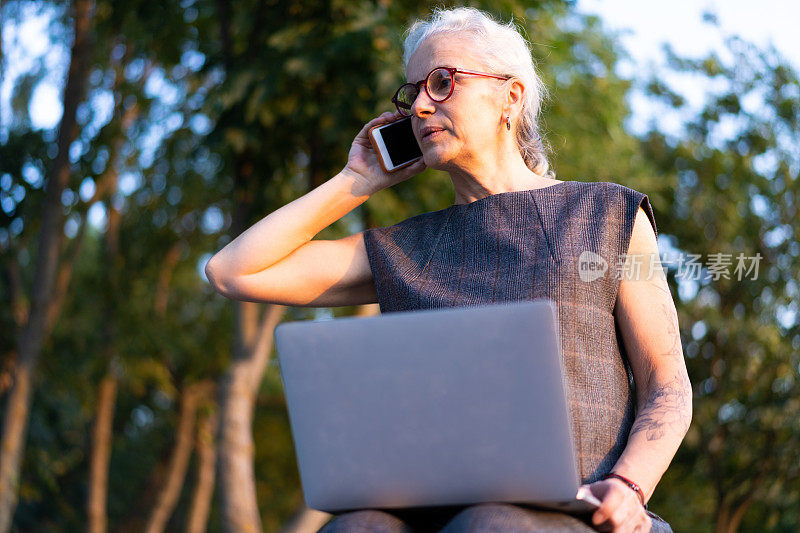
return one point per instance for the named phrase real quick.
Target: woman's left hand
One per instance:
(620, 510)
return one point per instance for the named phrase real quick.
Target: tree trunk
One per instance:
(730, 513)
(101, 454)
(15, 420)
(237, 400)
(179, 460)
(305, 520)
(737, 516)
(722, 519)
(103, 434)
(165, 276)
(367, 310)
(7, 366)
(206, 461)
(19, 307)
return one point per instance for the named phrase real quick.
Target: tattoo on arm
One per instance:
(675, 349)
(666, 410)
(659, 279)
(668, 315)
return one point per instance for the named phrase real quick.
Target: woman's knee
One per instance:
(366, 521)
(502, 517)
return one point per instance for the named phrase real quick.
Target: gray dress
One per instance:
(526, 245)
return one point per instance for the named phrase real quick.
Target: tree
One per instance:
(47, 261)
(733, 171)
(118, 67)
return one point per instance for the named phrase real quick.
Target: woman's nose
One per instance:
(423, 105)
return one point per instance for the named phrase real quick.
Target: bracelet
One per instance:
(633, 486)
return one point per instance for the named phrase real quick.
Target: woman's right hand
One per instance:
(363, 163)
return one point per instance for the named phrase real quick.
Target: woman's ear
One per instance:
(514, 98)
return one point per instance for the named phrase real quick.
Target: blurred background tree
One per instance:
(732, 175)
(198, 118)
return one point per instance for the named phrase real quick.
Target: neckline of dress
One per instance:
(499, 194)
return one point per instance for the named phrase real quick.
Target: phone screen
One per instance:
(400, 142)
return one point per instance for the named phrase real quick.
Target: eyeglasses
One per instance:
(439, 84)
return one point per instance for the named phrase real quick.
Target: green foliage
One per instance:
(734, 176)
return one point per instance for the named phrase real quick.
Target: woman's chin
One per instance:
(435, 159)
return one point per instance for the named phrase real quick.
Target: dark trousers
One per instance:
(486, 517)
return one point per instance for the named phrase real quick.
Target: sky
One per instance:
(645, 26)
(679, 22)
(23, 47)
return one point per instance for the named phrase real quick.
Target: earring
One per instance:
(508, 123)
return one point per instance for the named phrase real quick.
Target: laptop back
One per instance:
(434, 407)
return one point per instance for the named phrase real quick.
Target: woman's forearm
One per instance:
(664, 415)
(648, 321)
(283, 231)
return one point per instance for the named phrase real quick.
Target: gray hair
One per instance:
(508, 54)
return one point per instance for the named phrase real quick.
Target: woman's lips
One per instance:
(432, 135)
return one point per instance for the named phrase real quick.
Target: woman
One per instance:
(514, 233)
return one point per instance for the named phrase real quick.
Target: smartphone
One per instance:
(395, 144)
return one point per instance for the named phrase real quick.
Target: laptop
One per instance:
(435, 407)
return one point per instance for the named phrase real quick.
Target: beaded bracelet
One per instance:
(633, 486)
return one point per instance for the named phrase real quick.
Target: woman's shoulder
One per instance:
(600, 188)
(596, 201)
(615, 201)
(421, 219)
(414, 227)
(609, 195)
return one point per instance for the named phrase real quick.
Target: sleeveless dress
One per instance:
(523, 245)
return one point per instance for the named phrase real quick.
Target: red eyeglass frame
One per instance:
(453, 71)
